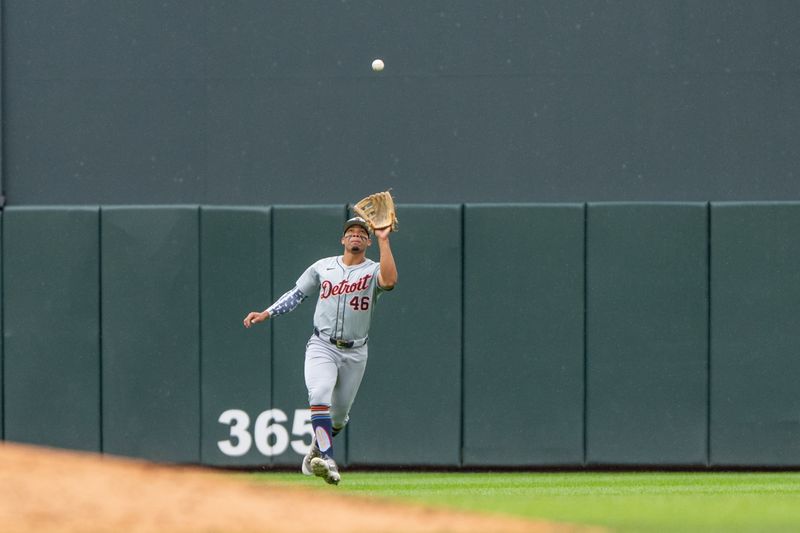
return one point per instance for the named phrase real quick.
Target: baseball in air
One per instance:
(377, 65)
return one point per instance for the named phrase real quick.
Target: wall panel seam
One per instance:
(708, 333)
(100, 320)
(585, 325)
(270, 298)
(200, 333)
(463, 346)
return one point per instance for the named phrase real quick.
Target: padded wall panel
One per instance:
(755, 368)
(235, 272)
(523, 334)
(647, 334)
(301, 236)
(150, 332)
(409, 407)
(51, 327)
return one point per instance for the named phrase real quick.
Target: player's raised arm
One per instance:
(285, 304)
(387, 277)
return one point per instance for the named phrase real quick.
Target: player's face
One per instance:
(356, 239)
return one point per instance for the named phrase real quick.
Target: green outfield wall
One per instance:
(51, 327)
(523, 334)
(538, 335)
(236, 274)
(646, 334)
(755, 299)
(150, 310)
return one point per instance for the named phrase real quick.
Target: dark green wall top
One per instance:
(271, 102)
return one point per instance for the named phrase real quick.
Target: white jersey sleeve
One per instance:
(308, 282)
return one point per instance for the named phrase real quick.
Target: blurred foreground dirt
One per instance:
(47, 490)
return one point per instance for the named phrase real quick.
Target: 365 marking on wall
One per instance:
(268, 433)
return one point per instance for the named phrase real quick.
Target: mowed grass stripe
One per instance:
(626, 502)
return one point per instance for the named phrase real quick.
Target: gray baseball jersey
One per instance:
(347, 296)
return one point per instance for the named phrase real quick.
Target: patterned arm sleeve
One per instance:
(286, 303)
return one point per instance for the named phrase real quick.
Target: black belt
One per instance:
(341, 343)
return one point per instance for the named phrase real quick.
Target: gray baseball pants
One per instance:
(333, 376)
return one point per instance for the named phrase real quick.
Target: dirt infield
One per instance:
(46, 490)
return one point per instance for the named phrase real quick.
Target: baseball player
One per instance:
(336, 354)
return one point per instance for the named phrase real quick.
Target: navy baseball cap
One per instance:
(356, 221)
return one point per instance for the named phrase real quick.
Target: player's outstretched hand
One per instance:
(254, 318)
(383, 233)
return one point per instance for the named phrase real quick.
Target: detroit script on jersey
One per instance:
(347, 296)
(328, 289)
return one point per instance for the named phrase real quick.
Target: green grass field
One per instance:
(624, 502)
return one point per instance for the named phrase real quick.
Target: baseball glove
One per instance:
(378, 210)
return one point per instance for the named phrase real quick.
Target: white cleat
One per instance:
(325, 467)
(312, 454)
